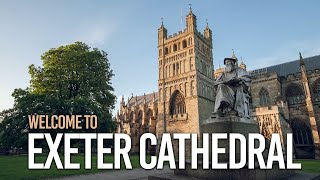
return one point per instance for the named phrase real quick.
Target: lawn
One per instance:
(312, 166)
(16, 167)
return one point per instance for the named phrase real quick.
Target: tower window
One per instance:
(175, 48)
(174, 69)
(177, 103)
(177, 68)
(184, 44)
(166, 51)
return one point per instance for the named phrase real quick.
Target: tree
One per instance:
(74, 79)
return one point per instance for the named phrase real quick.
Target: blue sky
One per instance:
(262, 32)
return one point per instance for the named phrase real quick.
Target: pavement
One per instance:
(165, 174)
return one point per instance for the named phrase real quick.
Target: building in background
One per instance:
(284, 98)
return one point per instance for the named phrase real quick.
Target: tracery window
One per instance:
(177, 103)
(316, 90)
(301, 132)
(139, 117)
(264, 97)
(295, 94)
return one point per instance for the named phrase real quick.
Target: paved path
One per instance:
(135, 174)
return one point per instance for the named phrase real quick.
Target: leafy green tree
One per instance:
(74, 79)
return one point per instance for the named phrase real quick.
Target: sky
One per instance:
(263, 33)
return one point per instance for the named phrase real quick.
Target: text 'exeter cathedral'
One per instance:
(284, 98)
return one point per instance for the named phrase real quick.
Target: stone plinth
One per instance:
(237, 174)
(230, 124)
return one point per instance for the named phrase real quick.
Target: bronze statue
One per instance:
(232, 91)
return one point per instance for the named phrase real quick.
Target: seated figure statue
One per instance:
(232, 91)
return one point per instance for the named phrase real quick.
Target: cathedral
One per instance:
(285, 98)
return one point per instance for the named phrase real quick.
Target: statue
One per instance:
(232, 91)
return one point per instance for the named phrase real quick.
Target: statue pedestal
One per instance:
(231, 124)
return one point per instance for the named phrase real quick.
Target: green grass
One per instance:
(311, 166)
(16, 167)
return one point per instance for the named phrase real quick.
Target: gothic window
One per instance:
(316, 90)
(139, 117)
(174, 69)
(295, 94)
(177, 103)
(184, 44)
(166, 75)
(166, 51)
(264, 97)
(301, 132)
(131, 118)
(175, 48)
(177, 68)
(148, 117)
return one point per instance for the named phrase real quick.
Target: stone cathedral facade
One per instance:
(284, 98)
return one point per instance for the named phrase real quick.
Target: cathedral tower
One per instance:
(186, 93)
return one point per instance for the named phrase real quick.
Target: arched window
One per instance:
(303, 141)
(184, 44)
(166, 51)
(177, 68)
(294, 94)
(316, 90)
(177, 103)
(131, 118)
(139, 117)
(301, 132)
(264, 97)
(174, 69)
(148, 117)
(175, 48)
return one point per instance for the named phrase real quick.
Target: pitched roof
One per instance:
(291, 67)
(140, 99)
